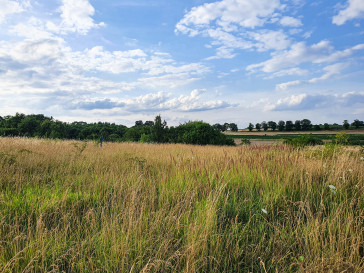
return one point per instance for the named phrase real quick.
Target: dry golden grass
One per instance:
(74, 207)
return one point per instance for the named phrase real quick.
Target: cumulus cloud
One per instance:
(288, 21)
(300, 53)
(77, 16)
(238, 24)
(227, 13)
(354, 9)
(48, 63)
(153, 102)
(9, 7)
(317, 101)
(329, 72)
(286, 85)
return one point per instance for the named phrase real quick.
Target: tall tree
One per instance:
(289, 125)
(139, 123)
(264, 126)
(250, 127)
(281, 125)
(272, 125)
(346, 124)
(306, 124)
(258, 127)
(158, 130)
(356, 123)
(297, 125)
(233, 127)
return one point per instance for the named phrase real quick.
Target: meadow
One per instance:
(72, 206)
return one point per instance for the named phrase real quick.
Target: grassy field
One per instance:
(74, 207)
(276, 137)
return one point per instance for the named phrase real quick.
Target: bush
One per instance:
(304, 140)
(245, 141)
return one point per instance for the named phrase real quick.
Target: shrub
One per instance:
(304, 140)
(245, 141)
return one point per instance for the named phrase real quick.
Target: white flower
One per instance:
(332, 187)
(266, 212)
(350, 170)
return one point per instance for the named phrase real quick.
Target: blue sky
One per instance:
(218, 61)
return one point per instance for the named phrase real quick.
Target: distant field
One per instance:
(276, 137)
(246, 132)
(68, 206)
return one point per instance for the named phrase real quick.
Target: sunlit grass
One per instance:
(74, 207)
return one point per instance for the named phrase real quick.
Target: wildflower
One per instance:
(324, 166)
(350, 170)
(333, 189)
(362, 158)
(266, 212)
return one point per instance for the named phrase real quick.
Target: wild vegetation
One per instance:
(307, 139)
(75, 207)
(197, 132)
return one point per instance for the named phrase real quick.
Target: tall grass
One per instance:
(74, 207)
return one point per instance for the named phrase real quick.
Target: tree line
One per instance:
(302, 125)
(156, 131)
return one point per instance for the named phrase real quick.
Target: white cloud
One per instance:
(152, 102)
(238, 24)
(354, 9)
(226, 13)
(317, 101)
(9, 7)
(329, 72)
(77, 16)
(270, 39)
(299, 53)
(288, 21)
(286, 85)
(296, 71)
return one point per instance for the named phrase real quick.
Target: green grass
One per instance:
(179, 208)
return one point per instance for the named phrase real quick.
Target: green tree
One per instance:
(346, 124)
(297, 125)
(258, 127)
(342, 138)
(326, 126)
(149, 123)
(250, 127)
(158, 130)
(218, 126)
(356, 123)
(281, 125)
(226, 126)
(289, 125)
(272, 125)
(233, 127)
(28, 126)
(139, 123)
(264, 126)
(306, 124)
(317, 127)
(201, 133)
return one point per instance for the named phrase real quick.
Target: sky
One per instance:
(221, 61)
